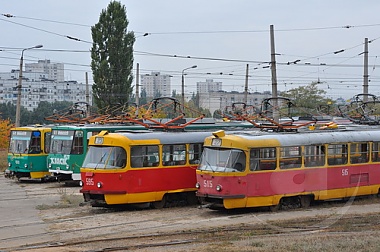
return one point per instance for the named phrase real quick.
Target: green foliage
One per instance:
(307, 97)
(143, 99)
(112, 57)
(44, 109)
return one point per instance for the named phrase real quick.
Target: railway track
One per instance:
(180, 229)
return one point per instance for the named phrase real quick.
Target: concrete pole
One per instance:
(246, 85)
(274, 75)
(365, 75)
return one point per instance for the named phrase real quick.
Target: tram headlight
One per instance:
(81, 183)
(197, 185)
(99, 184)
(26, 165)
(67, 167)
(9, 164)
(49, 166)
(218, 188)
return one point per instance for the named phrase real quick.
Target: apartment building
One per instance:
(41, 82)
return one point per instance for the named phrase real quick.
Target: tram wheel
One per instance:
(159, 204)
(192, 199)
(277, 207)
(305, 201)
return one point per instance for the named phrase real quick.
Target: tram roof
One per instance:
(314, 137)
(166, 137)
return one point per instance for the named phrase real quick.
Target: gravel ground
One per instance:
(50, 217)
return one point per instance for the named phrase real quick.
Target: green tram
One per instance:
(27, 152)
(69, 145)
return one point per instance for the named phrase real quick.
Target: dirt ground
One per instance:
(70, 225)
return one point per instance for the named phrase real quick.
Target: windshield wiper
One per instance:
(101, 159)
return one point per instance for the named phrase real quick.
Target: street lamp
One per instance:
(19, 86)
(183, 85)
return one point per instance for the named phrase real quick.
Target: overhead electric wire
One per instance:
(231, 74)
(46, 31)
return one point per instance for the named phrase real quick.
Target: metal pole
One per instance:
(183, 86)
(19, 86)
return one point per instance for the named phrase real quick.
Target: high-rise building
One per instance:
(209, 86)
(156, 85)
(52, 71)
(41, 82)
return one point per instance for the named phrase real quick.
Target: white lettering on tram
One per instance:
(90, 181)
(62, 161)
(207, 183)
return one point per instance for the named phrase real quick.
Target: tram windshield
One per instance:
(222, 160)
(67, 142)
(105, 157)
(25, 142)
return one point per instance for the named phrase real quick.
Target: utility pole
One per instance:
(19, 86)
(365, 75)
(87, 96)
(246, 85)
(137, 89)
(274, 75)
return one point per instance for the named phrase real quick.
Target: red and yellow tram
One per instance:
(141, 167)
(277, 169)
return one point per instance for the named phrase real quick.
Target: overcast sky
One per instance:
(220, 36)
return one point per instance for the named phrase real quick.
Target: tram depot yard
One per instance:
(51, 217)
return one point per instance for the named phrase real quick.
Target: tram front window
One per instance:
(105, 157)
(61, 142)
(222, 160)
(19, 142)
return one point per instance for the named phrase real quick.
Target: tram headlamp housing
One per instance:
(218, 188)
(26, 165)
(81, 183)
(49, 166)
(9, 164)
(197, 185)
(99, 185)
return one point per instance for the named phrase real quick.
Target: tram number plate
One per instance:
(90, 181)
(344, 172)
(207, 183)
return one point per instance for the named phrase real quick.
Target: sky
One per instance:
(220, 37)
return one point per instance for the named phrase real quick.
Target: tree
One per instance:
(307, 97)
(112, 57)
(143, 99)
(5, 129)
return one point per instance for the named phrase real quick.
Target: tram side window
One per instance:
(144, 156)
(376, 151)
(35, 143)
(77, 147)
(314, 155)
(267, 159)
(47, 142)
(337, 154)
(290, 157)
(174, 154)
(195, 153)
(359, 153)
(254, 160)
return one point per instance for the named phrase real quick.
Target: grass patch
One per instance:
(66, 201)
